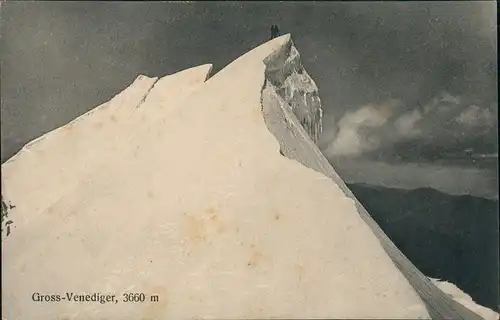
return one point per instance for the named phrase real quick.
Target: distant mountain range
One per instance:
(454, 238)
(477, 151)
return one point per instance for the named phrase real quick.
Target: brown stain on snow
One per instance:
(194, 228)
(98, 125)
(150, 194)
(198, 227)
(256, 258)
(216, 220)
(69, 126)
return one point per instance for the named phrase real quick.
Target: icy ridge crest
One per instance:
(286, 76)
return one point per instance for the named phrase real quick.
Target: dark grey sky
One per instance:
(60, 59)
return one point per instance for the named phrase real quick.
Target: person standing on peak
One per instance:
(275, 32)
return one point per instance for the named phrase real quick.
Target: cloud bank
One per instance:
(371, 128)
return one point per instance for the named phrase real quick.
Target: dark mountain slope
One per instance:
(454, 238)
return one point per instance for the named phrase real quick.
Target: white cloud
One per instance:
(475, 116)
(349, 139)
(371, 126)
(446, 97)
(442, 103)
(405, 124)
(329, 131)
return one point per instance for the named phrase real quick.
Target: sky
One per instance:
(398, 80)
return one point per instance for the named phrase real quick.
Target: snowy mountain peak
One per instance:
(176, 189)
(287, 77)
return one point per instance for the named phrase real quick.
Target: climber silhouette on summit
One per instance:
(274, 31)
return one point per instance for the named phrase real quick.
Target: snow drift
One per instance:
(465, 299)
(176, 189)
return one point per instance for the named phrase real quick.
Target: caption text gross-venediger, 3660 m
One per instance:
(128, 297)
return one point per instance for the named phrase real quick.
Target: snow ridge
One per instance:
(284, 117)
(286, 75)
